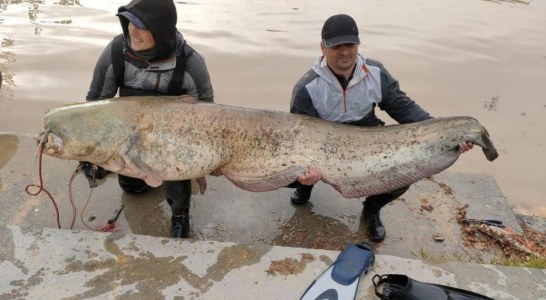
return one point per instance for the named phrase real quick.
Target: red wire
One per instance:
(71, 197)
(110, 225)
(41, 188)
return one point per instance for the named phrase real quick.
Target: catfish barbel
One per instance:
(170, 138)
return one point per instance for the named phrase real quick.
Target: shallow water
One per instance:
(485, 59)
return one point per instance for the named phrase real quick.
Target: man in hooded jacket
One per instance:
(152, 58)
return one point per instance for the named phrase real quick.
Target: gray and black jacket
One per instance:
(319, 93)
(154, 76)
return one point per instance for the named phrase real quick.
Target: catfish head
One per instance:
(92, 132)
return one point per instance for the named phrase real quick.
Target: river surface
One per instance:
(485, 59)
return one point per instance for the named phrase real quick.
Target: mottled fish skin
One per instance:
(166, 138)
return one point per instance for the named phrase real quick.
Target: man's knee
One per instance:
(132, 185)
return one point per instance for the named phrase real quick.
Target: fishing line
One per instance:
(84, 207)
(110, 225)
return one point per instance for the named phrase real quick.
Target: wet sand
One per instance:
(484, 59)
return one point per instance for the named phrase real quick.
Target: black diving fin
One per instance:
(341, 279)
(402, 287)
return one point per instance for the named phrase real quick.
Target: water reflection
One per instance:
(509, 1)
(70, 3)
(34, 6)
(5, 3)
(6, 57)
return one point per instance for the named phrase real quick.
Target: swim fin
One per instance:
(341, 279)
(402, 287)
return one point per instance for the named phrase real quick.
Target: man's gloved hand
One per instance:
(92, 172)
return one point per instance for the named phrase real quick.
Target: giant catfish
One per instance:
(170, 138)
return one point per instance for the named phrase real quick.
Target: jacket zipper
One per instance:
(344, 100)
(366, 71)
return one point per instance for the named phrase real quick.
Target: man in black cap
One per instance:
(152, 58)
(343, 86)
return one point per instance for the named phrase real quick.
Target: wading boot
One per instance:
(370, 213)
(178, 195)
(180, 226)
(374, 226)
(301, 195)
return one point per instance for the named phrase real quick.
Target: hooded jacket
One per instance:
(154, 75)
(318, 93)
(160, 18)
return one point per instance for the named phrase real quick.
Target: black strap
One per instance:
(118, 59)
(177, 80)
(377, 281)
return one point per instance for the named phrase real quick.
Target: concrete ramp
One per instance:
(61, 264)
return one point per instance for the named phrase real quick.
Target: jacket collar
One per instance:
(321, 68)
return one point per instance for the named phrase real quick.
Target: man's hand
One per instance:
(464, 146)
(310, 177)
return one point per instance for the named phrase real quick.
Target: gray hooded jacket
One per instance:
(153, 75)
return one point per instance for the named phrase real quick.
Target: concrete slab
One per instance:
(59, 264)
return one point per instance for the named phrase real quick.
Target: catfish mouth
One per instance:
(49, 143)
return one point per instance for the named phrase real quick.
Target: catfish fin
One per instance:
(143, 171)
(263, 182)
(114, 164)
(152, 180)
(272, 173)
(488, 148)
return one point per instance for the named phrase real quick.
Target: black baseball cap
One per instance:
(339, 29)
(133, 19)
